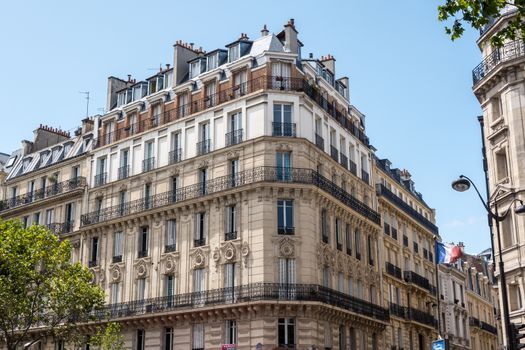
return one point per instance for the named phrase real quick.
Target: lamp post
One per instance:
(462, 184)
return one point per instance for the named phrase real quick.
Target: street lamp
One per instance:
(462, 184)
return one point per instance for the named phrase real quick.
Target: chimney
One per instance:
(264, 31)
(346, 83)
(87, 125)
(183, 53)
(290, 37)
(329, 62)
(310, 55)
(26, 147)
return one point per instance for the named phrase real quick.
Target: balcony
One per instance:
(337, 112)
(283, 129)
(304, 293)
(393, 270)
(508, 52)
(199, 242)
(343, 160)
(100, 179)
(365, 176)
(123, 172)
(319, 142)
(203, 147)
(261, 174)
(148, 164)
(142, 254)
(421, 317)
(398, 202)
(168, 248)
(334, 153)
(228, 236)
(234, 137)
(175, 156)
(474, 322)
(285, 230)
(92, 263)
(353, 167)
(398, 310)
(412, 277)
(117, 259)
(50, 191)
(61, 228)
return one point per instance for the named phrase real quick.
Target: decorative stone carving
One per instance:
(174, 171)
(203, 163)
(216, 255)
(228, 252)
(232, 155)
(141, 270)
(286, 248)
(170, 266)
(116, 274)
(199, 260)
(245, 252)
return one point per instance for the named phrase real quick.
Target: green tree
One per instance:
(109, 338)
(40, 287)
(478, 13)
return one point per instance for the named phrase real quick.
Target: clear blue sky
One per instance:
(411, 81)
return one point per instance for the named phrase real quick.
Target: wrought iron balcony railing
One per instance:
(508, 52)
(203, 147)
(343, 160)
(421, 317)
(353, 167)
(398, 310)
(319, 142)
(283, 129)
(142, 253)
(61, 227)
(285, 230)
(199, 242)
(334, 153)
(244, 294)
(123, 172)
(338, 112)
(44, 193)
(393, 270)
(234, 137)
(412, 277)
(223, 183)
(100, 179)
(116, 259)
(168, 248)
(475, 322)
(228, 236)
(398, 202)
(365, 176)
(148, 164)
(92, 263)
(175, 156)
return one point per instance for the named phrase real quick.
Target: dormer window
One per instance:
(156, 84)
(10, 162)
(234, 53)
(329, 77)
(57, 152)
(25, 163)
(195, 69)
(67, 147)
(213, 61)
(45, 156)
(139, 91)
(341, 89)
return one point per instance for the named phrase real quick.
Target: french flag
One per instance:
(447, 253)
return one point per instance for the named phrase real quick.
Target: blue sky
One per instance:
(411, 81)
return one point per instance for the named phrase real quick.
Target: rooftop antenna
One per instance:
(101, 109)
(87, 101)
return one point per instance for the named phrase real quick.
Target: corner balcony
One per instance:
(39, 196)
(399, 203)
(252, 176)
(509, 52)
(393, 270)
(255, 292)
(421, 317)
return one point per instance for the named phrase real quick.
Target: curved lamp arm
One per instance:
(506, 212)
(479, 195)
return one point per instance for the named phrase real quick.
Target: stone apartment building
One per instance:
(234, 198)
(499, 85)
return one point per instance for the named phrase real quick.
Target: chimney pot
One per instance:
(311, 55)
(264, 31)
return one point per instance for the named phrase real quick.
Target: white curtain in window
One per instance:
(117, 244)
(198, 336)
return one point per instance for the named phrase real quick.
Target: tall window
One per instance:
(94, 251)
(115, 293)
(370, 250)
(50, 216)
(234, 135)
(515, 297)
(118, 237)
(348, 238)
(229, 281)
(174, 188)
(231, 223)
(284, 165)
(282, 120)
(141, 289)
(124, 164)
(506, 232)
(198, 337)
(234, 170)
(342, 338)
(285, 217)
(140, 339)
(123, 196)
(198, 286)
(325, 235)
(203, 178)
(340, 282)
(200, 229)
(338, 236)
(239, 81)
(148, 201)
(176, 148)
(143, 242)
(357, 241)
(281, 75)
(204, 145)
(326, 277)
(286, 332)
(501, 165)
(231, 332)
(100, 177)
(169, 288)
(168, 338)
(171, 236)
(211, 90)
(287, 278)
(327, 336)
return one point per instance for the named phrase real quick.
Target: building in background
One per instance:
(234, 198)
(499, 85)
